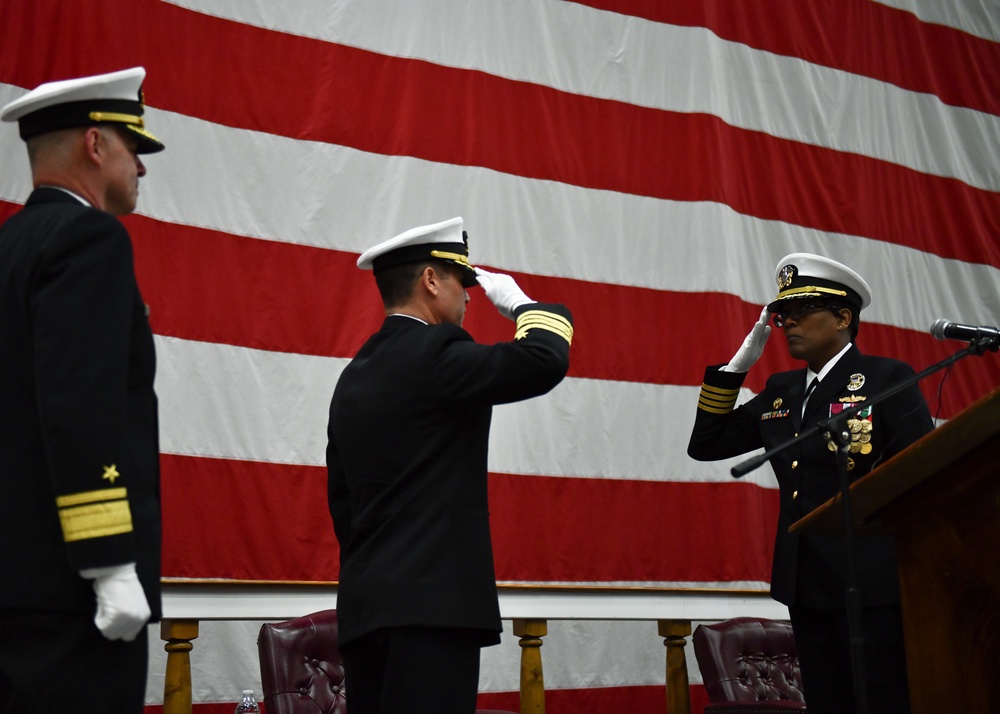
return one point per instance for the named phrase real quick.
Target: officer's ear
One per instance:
(430, 280)
(95, 144)
(845, 316)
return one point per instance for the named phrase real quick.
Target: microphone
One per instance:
(945, 330)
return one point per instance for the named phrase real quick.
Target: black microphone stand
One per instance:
(835, 431)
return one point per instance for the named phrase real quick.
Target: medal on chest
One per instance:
(860, 426)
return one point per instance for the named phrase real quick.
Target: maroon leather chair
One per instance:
(749, 664)
(301, 669)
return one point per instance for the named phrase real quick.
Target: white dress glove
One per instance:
(502, 292)
(122, 608)
(752, 347)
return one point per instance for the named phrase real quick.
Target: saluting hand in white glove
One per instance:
(502, 291)
(752, 347)
(122, 608)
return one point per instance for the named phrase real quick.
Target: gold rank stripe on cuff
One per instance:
(717, 400)
(94, 514)
(541, 320)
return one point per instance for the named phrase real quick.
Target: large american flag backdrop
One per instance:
(645, 162)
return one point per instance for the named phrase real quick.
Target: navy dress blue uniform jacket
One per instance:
(408, 436)
(79, 452)
(810, 570)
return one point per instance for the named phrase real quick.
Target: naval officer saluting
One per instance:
(818, 307)
(407, 460)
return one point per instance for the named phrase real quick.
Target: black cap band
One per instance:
(73, 114)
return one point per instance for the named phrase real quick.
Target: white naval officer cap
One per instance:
(115, 97)
(805, 275)
(438, 241)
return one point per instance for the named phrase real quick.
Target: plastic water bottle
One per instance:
(247, 703)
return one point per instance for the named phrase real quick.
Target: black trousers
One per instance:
(59, 663)
(823, 642)
(413, 670)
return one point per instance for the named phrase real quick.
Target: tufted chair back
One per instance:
(300, 665)
(301, 669)
(749, 664)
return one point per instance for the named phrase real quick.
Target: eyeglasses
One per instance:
(797, 312)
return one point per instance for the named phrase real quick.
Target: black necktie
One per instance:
(809, 391)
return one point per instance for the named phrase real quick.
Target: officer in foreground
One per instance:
(407, 461)
(80, 513)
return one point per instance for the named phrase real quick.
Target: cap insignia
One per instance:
(786, 275)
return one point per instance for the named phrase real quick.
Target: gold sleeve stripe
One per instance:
(95, 520)
(104, 494)
(716, 400)
(539, 319)
(546, 322)
(719, 391)
(713, 410)
(543, 316)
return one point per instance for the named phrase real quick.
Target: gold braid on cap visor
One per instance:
(810, 291)
(457, 257)
(133, 119)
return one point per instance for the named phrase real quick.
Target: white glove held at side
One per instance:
(122, 608)
(752, 347)
(502, 291)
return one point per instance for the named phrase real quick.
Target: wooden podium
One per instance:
(941, 499)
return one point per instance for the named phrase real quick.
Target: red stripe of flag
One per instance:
(379, 104)
(544, 528)
(857, 36)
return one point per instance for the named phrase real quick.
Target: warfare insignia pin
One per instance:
(853, 399)
(857, 382)
(786, 275)
(777, 403)
(110, 473)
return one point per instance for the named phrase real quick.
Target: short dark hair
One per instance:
(396, 284)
